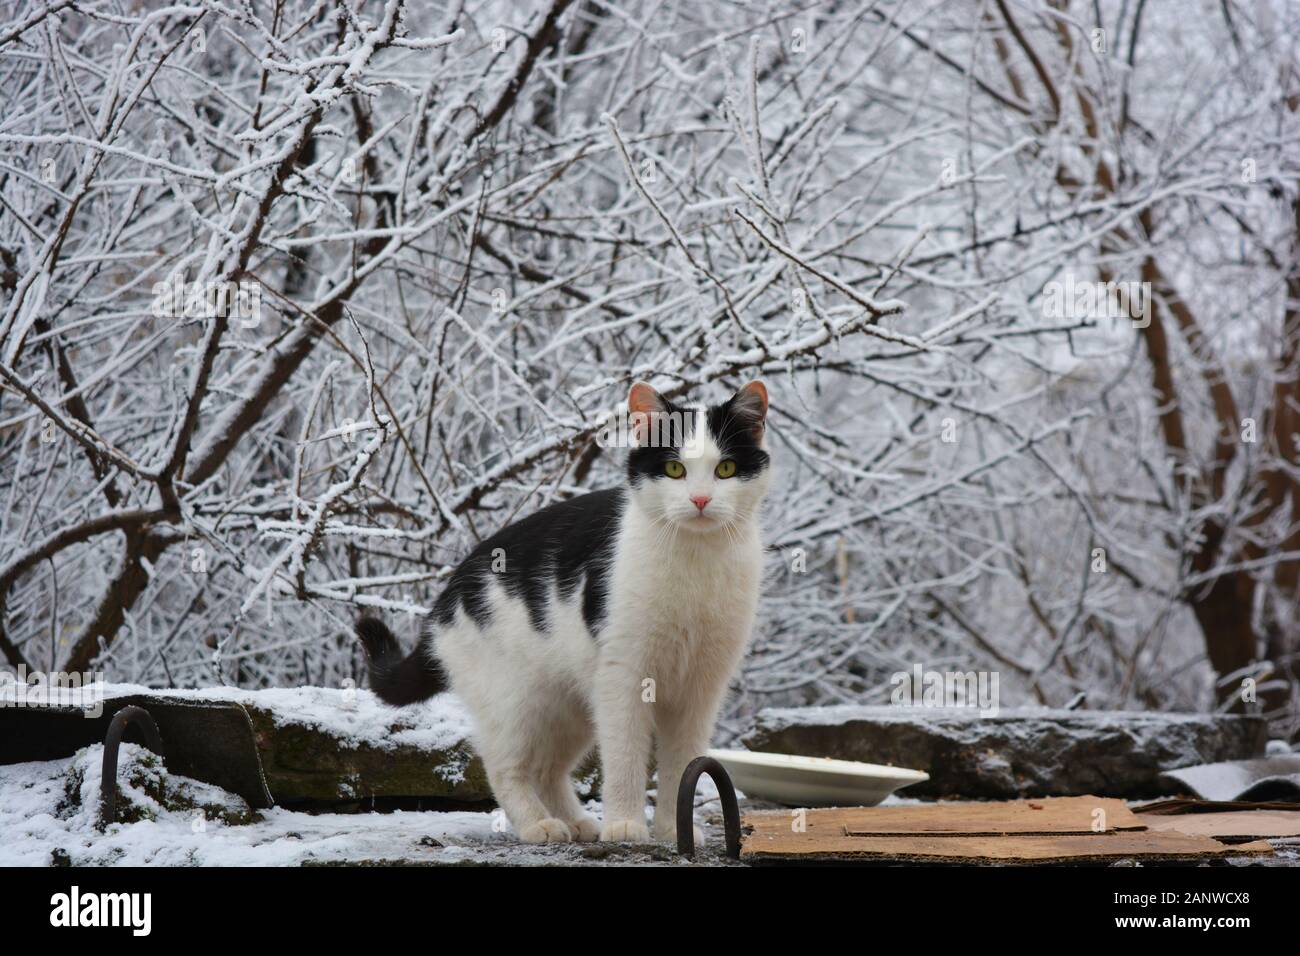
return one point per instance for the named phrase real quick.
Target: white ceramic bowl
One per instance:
(813, 781)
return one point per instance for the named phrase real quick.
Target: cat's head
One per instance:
(700, 468)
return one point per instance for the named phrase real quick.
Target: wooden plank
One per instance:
(760, 847)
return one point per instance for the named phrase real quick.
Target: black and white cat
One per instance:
(615, 618)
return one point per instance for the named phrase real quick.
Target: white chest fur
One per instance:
(682, 606)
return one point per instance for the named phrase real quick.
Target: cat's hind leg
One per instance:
(505, 690)
(557, 793)
(517, 750)
(571, 740)
(513, 786)
(530, 755)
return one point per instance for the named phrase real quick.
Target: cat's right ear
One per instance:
(643, 403)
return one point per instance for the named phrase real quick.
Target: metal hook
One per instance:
(112, 743)
(686, 806)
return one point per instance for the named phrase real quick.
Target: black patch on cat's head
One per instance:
(669, 430)
(736, 425)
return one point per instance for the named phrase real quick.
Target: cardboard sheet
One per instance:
(1062, 815)
(1236, 825)
(1098, 847)
(1193, 805)
(1051, 830)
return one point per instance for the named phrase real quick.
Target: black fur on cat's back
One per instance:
(560, 548)
(565, 545)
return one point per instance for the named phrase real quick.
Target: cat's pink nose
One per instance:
(700, 501)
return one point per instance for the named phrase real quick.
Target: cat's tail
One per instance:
(398, 679)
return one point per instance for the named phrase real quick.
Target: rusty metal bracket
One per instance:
(686, 806)
(112, 743)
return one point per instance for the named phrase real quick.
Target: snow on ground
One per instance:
(49, 811)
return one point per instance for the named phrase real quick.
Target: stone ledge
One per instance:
(1018, 753)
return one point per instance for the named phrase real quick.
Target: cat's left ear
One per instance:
(644, 405)
(750, 405)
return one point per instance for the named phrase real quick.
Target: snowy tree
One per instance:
(300, 300)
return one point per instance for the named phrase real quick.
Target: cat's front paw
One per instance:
(625, 831)
(549, 830)
(585, 829)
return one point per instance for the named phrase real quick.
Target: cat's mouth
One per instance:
(702, 522)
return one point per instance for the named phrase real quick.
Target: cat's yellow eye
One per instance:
(675, 469)
(725, 469)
